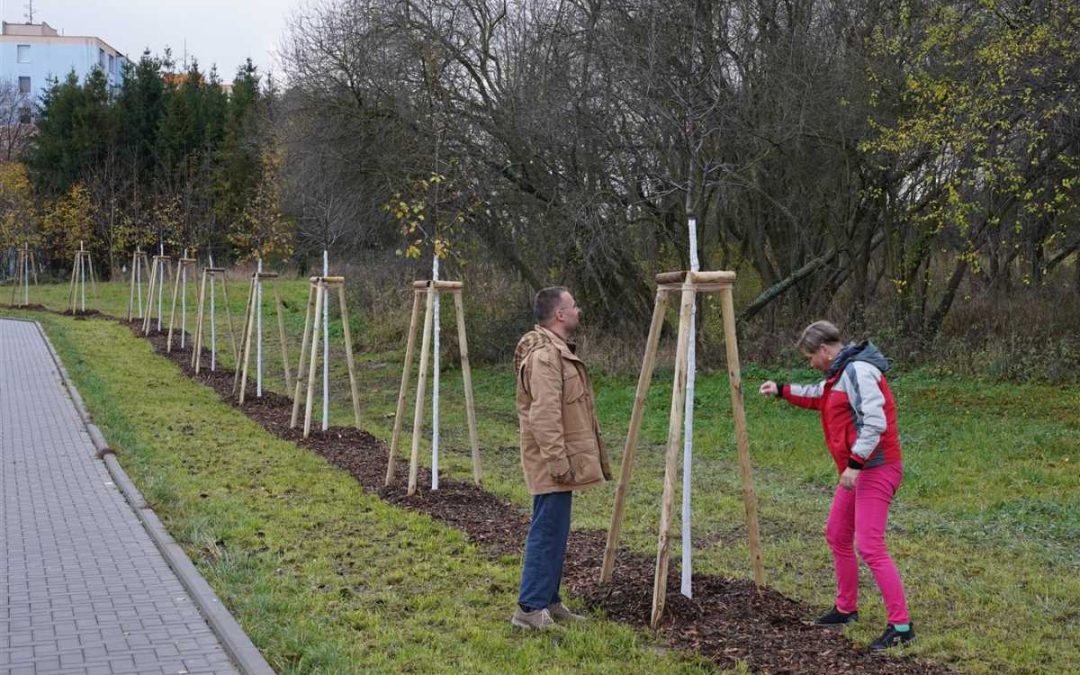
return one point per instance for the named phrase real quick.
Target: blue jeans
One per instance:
(545, 550)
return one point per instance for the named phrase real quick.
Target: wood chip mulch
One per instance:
(727, 621)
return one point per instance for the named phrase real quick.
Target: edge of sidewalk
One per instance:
(238, 645)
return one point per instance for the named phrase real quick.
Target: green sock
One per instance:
(901, 627)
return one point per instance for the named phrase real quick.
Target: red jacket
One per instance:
(858, 414)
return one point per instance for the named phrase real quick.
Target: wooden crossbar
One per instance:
(444, 286)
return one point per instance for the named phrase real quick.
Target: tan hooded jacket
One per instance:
(561, 448)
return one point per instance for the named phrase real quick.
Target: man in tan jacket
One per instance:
(561, 451)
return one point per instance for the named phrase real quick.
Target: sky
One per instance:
(224, 32)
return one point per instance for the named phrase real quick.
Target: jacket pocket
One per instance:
(573, 384)
(584, 459)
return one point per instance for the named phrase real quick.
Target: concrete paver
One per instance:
(83, 588)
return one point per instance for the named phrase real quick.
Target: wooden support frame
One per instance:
(183, 265)
(305, 385)
(209, 276)
(81, 268)
(25, 267)
(426, 290)
(160, 269)
(250, 315)
(140, 264)
(688, 285)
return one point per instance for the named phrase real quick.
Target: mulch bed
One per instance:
(85, 314)
(727, 621)
(32, 307)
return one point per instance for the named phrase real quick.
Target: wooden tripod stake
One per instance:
(318, 290)
(183, 266)
(82, 268)
(209, 275)
(420, 290)
(689, 284)
(160, 269)
(252, 317)
(140, 265)
(24, 266)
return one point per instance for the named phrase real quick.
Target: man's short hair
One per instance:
(547, 301)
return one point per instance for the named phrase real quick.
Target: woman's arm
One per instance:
(801, 395)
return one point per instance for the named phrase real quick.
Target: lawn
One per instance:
(986, 529)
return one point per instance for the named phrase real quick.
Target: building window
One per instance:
(24, 84)
(22, 53)
(25, 116)
(101, 58)
(112, 64)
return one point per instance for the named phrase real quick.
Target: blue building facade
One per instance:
(31, 54)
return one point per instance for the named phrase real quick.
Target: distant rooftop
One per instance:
(44, 30)
(30, 29)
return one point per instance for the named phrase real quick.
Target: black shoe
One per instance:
(835, 617)
(893, 638)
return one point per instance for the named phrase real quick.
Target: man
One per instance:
(561, 451)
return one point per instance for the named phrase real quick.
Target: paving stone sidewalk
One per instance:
(83, 588)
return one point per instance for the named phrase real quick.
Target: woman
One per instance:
(858, 416)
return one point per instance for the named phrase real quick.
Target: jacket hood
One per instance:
(529, 343)
(864, 351)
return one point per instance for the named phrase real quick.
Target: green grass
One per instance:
(985, 530)
(323, 577)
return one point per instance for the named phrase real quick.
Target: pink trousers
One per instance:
(857, 522)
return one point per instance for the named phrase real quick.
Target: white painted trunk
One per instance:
(435, 380)
(688, 429)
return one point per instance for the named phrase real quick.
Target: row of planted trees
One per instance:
(174, 157)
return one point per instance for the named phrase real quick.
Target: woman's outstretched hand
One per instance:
(769, 389)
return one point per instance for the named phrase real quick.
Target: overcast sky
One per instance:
(224, 32)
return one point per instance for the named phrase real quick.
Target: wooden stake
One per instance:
(22, 275)
(245, 358)
(82, 272)
(648, 363)
(349, 353)
(166, 271)
(181, 266)
(196, 352)
(281, 332)
(172, 309)
(678, 402)
(71, 287)
(228, 314)
(421, 385)
(303, 353)
(18, 278)
(466, 376)
(320, 290)
(148, 316)
(741, 438)
(410, 344)
(131, 293)
(93, 277)
(244, 333)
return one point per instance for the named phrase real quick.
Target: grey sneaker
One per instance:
(537, 620)
(562, 615)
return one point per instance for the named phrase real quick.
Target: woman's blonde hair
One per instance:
(817, 334)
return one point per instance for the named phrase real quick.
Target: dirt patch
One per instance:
(728, 621)
(32, 307)
(82, 313)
